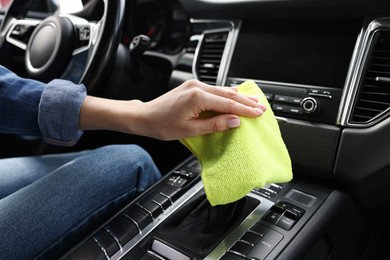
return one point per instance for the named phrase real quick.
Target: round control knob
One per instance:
(309, 105)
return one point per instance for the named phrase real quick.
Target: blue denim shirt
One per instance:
(32, 108)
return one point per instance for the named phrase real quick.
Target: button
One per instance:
(280, 98)
(139, 216)
(106, 242)
(179, 182)
(285, 223)
(251, 237)
(259, 229)
(309, 105)
(265, 192)
(314, 91)
(297, 211)
(274, 187)
(265, 245)
(170, 192)
(123, 229)
(241, 247)
(153, 208)
(292, 215)
(294, 110)
(272, 217)
(162, 200)
(278, 209)
(289, 207)
(171, 180)
(187, 174)
(278, 108)
(295, 100)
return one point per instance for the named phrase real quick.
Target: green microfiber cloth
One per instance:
(240, 159)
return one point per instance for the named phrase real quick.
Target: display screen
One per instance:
(300, 52)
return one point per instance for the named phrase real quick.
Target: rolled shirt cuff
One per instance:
(59, 112)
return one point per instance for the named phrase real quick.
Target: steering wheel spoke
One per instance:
(20, 31)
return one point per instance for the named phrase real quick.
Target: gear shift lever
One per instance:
(138, 46)
(198, 227)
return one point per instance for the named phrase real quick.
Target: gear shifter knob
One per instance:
(138, 46)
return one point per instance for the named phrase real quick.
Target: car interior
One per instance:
(324, 67)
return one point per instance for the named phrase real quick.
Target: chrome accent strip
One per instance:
(355, 74)
(114, 237)
(102, 248)
(233, 28)
(228, 53)
(284, 84)
(281, 119)
(382, 79)
(149, 228)
(239, 231)
(159, 204)
(167, 196)
(132, 220)
(12, 25)
(145, 209)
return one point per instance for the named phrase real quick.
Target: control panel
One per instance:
(169, 221)
(311, 103)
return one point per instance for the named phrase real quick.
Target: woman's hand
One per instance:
(174, 115)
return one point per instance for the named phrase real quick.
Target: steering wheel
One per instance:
(77, 46)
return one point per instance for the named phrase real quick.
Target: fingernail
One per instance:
(233, 123)
(263, 107)
(258, 111)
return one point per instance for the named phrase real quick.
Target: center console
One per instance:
(303, 82)
(173, 220)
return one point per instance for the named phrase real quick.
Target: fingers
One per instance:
(228, 100)
(230, 106)
(231, 93)
(217, 123)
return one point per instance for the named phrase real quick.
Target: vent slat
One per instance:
(374, 95)
(210, 56)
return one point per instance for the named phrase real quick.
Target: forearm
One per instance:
(107, 114)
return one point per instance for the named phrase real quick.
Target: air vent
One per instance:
(210, 56)
(374, 95)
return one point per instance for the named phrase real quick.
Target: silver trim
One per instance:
(149, 228)
(238, 232)
(233, 29)
(102, 248)
(278, 83)
(223, 247)
(355, 74)
(11, 28)
(114, 237)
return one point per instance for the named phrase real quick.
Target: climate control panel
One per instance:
(311, 103)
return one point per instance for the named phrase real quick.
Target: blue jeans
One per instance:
(46, 201)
